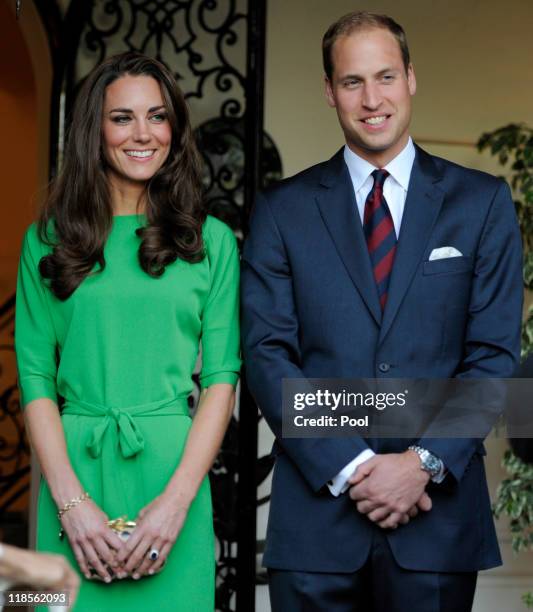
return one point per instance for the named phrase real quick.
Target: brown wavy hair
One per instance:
(77, 216)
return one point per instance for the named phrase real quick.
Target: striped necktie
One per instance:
(380, 235)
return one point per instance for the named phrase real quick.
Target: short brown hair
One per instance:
(361, 20)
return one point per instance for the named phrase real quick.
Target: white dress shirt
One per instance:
(395, 193)
(395, 186)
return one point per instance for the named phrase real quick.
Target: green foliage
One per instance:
(513, 145)
(515, 500)
(528, 269)
(527, 333)
(527, 325)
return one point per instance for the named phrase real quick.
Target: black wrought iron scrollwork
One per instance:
(222, 144)
(97, 33)
(14, 451)
(14, 448)
(192, 37)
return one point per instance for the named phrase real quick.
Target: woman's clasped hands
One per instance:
(94, 544)
(158, 526)
(101, 553)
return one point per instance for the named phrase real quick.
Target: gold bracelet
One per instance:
(72, 504)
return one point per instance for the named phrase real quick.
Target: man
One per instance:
(383, 262)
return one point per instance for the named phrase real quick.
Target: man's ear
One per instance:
(329, 92)
(411, 79)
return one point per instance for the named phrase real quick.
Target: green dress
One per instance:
(121, 351)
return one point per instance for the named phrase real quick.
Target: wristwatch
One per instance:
(428, 461)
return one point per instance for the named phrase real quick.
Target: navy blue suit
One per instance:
(310, 309)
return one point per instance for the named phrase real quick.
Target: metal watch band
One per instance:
(428, 461)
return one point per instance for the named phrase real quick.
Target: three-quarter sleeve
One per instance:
(35, 338)
(220, 319)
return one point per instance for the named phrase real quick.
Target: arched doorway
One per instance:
(25, 82)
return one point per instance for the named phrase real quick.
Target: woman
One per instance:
(119, 281)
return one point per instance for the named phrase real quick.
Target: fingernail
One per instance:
(121, 575)
(136, 576)
(151, 572)
(88, 576)
(107, 579)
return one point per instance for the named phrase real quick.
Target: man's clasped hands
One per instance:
(390, 488)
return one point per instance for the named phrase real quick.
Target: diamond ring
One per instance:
(154, 554)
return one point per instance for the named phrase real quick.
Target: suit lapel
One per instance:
(422, 206)
(338, 208)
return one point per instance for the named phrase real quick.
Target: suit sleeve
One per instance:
(271, 346)
(492, 340)
(35, 338)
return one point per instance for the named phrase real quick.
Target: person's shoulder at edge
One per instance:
(31, 235)
(33, 238)
(453, 170)
(299, 186)
(218, 235)
(32, 242)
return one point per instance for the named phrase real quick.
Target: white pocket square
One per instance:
(444, 253)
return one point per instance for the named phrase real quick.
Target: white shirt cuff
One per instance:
(339, 483)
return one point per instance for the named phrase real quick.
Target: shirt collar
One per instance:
(399, 168)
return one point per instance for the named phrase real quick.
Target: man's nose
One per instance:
(372, 97)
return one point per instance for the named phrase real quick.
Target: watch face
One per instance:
(431, 463)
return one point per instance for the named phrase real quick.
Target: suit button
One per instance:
(384, 367)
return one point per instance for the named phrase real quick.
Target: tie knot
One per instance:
(380, 176)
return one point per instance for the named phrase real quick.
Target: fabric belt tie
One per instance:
(130, 438)
(115, 443)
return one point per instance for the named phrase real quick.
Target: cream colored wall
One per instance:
(473, 65)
